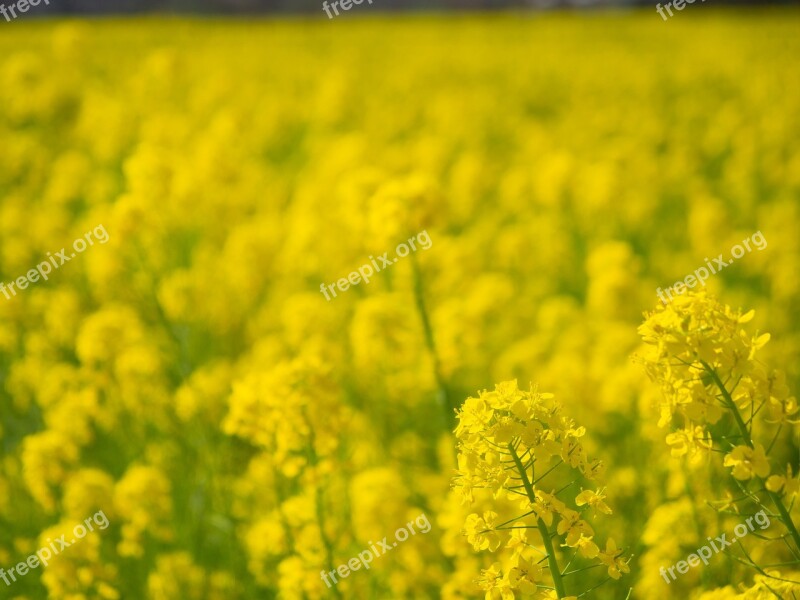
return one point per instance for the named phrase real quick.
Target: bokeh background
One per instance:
(242, 433)
(249, 7)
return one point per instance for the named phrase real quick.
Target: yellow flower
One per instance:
(690, 441)
(142, 498)
(505, 437)
(574, 527)
(612, 558)
(45, 459)
(176, 575)
(587, 547)
(788, 485)
(594, 500)
(87, 491)
(747, 462)
(524, 575)
(475, 416)
(495, 584)
(518, 540)
(479, 531)
(546, 506)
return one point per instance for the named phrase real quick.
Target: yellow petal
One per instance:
(748, 316)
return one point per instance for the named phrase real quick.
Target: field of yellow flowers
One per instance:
(187, 411)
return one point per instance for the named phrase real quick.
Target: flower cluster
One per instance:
(706, 365)
(515, 444)
(720, 397)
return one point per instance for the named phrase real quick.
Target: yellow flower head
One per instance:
(747, 462)
(515, 442)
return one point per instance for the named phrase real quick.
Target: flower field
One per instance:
(516, 381)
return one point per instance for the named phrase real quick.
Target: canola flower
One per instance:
(720, 397)
(514, 444)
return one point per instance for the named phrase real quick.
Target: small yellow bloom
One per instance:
(747, 462)
(479, 531)
(788, 485)
(494, 584)
(612, 558)
(524, 575)
(689, 442)
(594, 500)
(575, 527)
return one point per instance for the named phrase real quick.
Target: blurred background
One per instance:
(241, 432)
(313, 6)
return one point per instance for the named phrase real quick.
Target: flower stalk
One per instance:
(785, 517)
(695, 347)
(552, 561)
(501, 435)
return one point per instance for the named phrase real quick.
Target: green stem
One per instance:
(552, 562)
(441, 395)
(324, 537)
(776, 499)
(695, 516)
